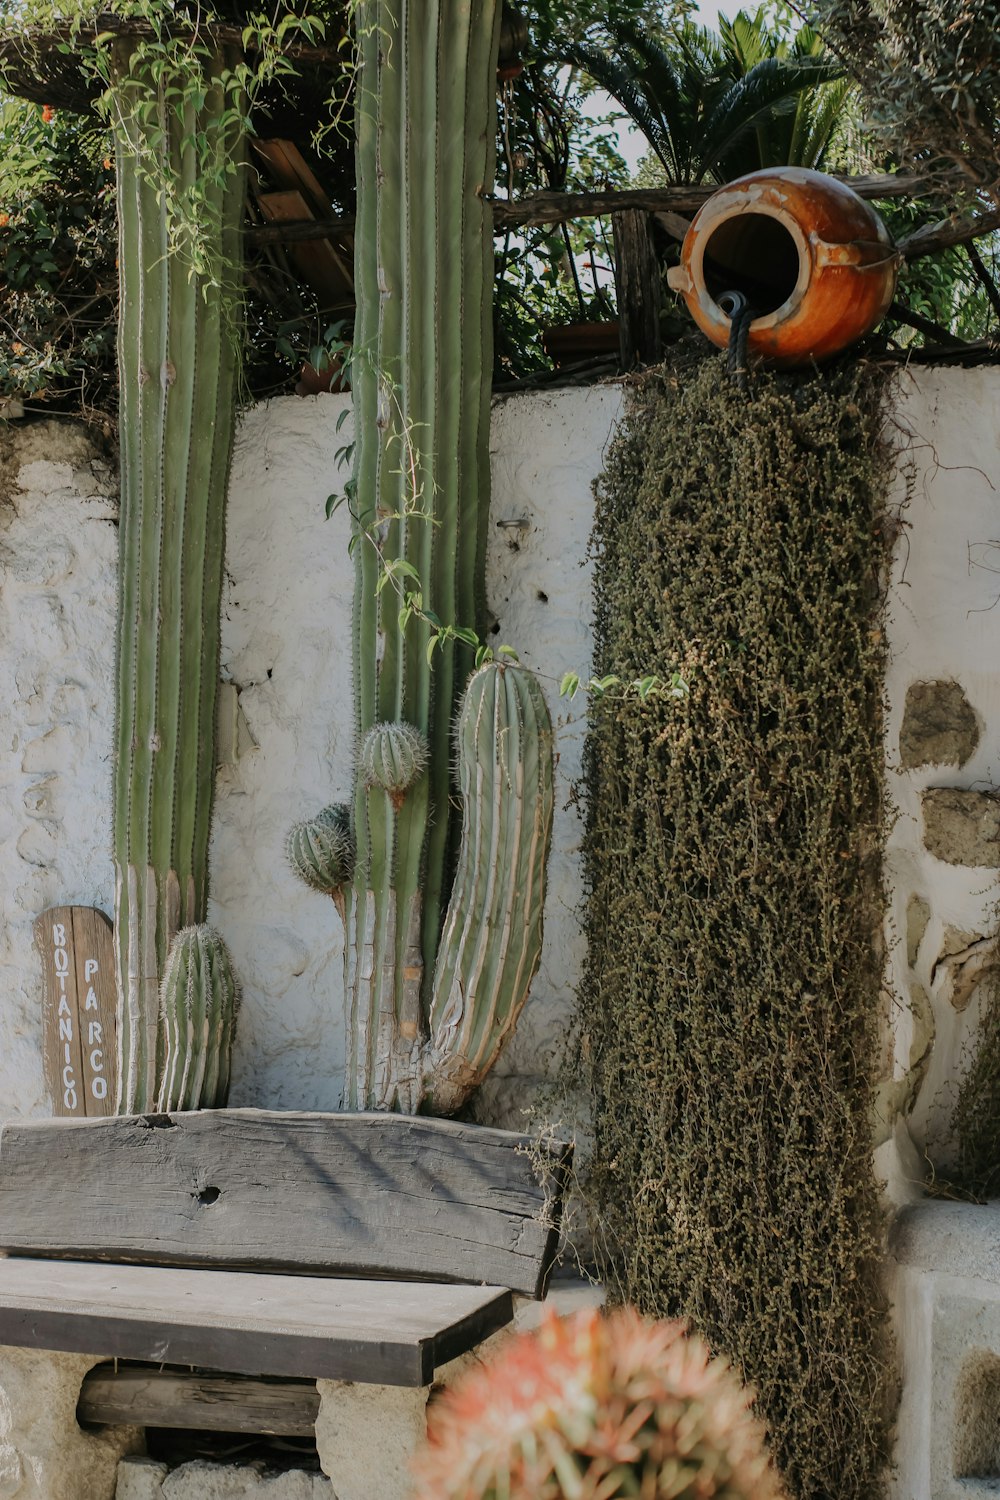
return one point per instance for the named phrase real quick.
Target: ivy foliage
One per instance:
(733, 853)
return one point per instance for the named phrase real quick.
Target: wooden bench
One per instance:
(363, 1252)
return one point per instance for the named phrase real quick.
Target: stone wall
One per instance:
(287, 750)
(943, 752)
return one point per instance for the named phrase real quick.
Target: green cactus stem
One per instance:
(425, 129)
(178, 368)
(199, 998)
(432, 989)
(492, 939)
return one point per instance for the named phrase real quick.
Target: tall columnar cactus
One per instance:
(199, 998)
(178, 365)
(433, 984)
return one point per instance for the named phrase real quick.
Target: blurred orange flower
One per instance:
(48, 113)
(4, 220)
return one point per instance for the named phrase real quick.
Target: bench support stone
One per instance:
(367, 1435)
(44, 1453)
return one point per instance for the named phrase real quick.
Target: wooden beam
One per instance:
(352, 1194)
(637, 284)
(959, 229)
(136, 1395)
(316, 1328)
(557, 208)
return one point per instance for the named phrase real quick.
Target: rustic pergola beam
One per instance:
(557, 208)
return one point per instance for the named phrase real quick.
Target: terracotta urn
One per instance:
(813, 259)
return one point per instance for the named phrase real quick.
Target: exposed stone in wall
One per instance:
(961, 826)
(939, 726)
(918, 914)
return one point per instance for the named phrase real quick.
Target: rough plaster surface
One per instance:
(44, 1454)
(944, 629)
(146, 1479)
(287, 648)
(58, 555)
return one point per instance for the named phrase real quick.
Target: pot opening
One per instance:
(756, 255)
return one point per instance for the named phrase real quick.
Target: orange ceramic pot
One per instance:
(814, 260)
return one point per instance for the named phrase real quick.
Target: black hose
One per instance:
(740, 315)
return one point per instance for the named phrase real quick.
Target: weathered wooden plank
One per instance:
(381, 1332)
(352, 1194)
(141, 1396)
(78, 1009)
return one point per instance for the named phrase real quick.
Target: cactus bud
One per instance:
(321, 850)
(394, 757)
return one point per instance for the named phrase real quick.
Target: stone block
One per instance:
(367, 1436)
(940, 727)
(962, 827)
(141, 1479)
(947, 1303)
(147, 1479)
(44, 1453)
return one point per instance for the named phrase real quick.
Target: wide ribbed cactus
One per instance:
(199, 998)
(178, 368)
(442, 941)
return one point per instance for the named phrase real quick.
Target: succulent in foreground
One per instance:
(596, 1407)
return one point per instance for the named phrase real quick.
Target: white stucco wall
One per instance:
(287, 647)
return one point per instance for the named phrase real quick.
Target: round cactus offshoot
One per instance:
(321, 850)
(394, 757)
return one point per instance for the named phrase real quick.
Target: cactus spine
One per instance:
(425, 156)
(177, 360)
(199, 998)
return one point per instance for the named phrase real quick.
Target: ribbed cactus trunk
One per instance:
(178, 366)
(422, 377)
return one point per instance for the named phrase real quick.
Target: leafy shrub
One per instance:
(58, 250)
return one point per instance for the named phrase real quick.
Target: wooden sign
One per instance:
(78, 1009)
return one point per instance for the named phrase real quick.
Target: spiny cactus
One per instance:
(322, 852)
(492, 938)
(597, 1408)
(442, 940)
(178, 368)
(199, 998)
(394, 757)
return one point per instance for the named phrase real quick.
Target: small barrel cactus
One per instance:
(322, 851)
(394, 757)
(596, 1408)
(199, 998)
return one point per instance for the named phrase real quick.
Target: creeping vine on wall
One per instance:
(734, 849)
